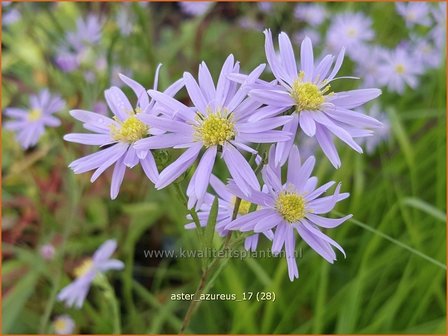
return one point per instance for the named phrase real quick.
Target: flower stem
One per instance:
(206, 274)
(109, 296)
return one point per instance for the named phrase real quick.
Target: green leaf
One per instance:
(425, 207)
(15, 300)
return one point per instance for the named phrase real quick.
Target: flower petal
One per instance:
(118, 103)
(89, 139)
(327, 223)
(178, 167)
(195, 92)
(240, 170)
(117, 178)
(150, 167)
(325, 142)
(288, 57)
(307, 59)
(307, 123)
(105, 251)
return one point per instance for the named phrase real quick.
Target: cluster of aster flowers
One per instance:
(227, 120)
(82, 52)
(396, 68)
(78, 44)
(392, 69)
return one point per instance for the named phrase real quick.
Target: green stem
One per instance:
(209, 270)
(109, 296)
(195, 218)
(206, 274)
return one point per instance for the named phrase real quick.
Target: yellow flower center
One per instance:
(131, 130)
(60, 325)
(34, 114)
(82, 269)
(411, 15)
(400, 69)
(352, 32)
(215, 129)
(307, 95)
(290, 206)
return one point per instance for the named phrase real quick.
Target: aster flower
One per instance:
(313, 14)
(438, 32)
(75, 49)
(218, 121)
(368, 61)
(118, 135)
(195, 8)
(399, 69)
(29, 124)
(296, 205)
(349, 30)
(75, 293)
(125, 20)
(10, 14)
(427, 54)
(414, 13)
(317, 111)
(88, 32)
(265, 6)
(63, 325)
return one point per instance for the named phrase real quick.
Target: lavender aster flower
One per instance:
(438, 32)
(414, 13)
(350, 31)
(265, 6)
(66, 60)
(75, 293)
(218, 120)
(88, 31)
(76, 47)
(63, 325)
(118, 134)
(29, 124)
(10, 14)
(316, 110)
(427, 53)
(368, 61)
(115, 75)
(294, 205)
(125, 20)
(195, 8)
(399, 69)
(313, 14)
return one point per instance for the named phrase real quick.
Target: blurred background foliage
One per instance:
(393, 279)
